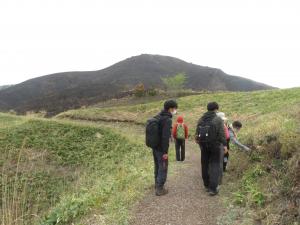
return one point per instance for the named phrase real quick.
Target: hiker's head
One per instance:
(171, 106)
(222, 116)
(213, 107)
(237, 125)
(180, 119)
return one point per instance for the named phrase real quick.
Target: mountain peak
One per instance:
(61, 91)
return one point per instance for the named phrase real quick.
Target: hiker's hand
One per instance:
(247, 149)
(225, 150)
(165, 157)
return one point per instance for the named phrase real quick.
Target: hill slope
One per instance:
(63, 172)
(2, 87)
(55, 172)
(262, 187)
(61, 91)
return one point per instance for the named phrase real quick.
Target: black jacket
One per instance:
(165, 128)
(219, 124)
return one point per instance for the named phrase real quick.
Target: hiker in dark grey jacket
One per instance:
(160, 154)
(210, 151)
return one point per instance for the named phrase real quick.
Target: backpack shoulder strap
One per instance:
(200, 121)
(161, 120)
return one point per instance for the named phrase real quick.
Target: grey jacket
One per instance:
(235, 140)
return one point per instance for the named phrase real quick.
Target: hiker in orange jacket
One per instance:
(180, 133)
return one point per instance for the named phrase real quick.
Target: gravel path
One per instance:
(187, 203)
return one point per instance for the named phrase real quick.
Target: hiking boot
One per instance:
(206, 188)
(161, 191)
(212, 192)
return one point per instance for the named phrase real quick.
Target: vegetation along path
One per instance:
(187, 203)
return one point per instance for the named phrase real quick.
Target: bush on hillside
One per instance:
(152, 92)
(139, 90)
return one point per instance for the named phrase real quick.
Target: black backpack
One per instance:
(206, 131)
(153, 132)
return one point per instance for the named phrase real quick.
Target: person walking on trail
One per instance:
(158, 134)
(224, 151)
(227, 136)
(210, 135)
(234, 128)
(180, 133)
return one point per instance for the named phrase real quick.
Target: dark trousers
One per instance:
(160, 168)
(221, 163)
(225, 161)
(210, 163)
(180, 149)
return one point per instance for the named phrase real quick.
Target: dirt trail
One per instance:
(187, 203)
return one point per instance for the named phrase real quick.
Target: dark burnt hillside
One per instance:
(58, 92)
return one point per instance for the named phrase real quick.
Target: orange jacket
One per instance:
(180, 121)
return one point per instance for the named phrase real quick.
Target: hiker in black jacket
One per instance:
(160, 154)
(210, 135)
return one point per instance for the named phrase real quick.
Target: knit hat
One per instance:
(180, 119)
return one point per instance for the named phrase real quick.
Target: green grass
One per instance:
(90, 171)
(263, 183)
(58, 172)
(249, 192)
(238, 105)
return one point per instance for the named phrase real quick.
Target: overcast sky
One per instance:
(257, 39)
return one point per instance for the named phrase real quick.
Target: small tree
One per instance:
(139, 90)
(152, 92)
(176, 82)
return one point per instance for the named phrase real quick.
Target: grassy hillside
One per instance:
(91, 170)
(237, 105)
(262, 187)
(56, 172)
